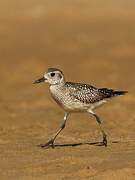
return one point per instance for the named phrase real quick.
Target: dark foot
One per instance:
(50, 143)
(105, 140)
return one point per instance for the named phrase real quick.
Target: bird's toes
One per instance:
(50, 143)
(105, 142)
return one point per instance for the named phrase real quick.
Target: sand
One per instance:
(92, 42)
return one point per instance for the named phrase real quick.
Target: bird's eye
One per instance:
(52, 74)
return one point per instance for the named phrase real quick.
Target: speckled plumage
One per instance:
(85, 93)
(76, 97)
(80, 97)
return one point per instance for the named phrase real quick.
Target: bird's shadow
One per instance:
(80, 144)
(84, 143)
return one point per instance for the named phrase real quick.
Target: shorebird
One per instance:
(76, 97)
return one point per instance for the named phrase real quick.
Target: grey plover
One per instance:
(76, 97)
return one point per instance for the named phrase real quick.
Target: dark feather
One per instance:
(108, 93)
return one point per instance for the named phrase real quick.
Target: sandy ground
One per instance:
(92, 42)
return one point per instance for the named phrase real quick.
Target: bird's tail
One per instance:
(108, 93)
(120, 93)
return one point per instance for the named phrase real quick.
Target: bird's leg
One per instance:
(101, 128)
(52, 139)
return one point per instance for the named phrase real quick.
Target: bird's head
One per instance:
(54, 76)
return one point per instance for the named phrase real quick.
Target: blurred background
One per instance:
(92, 42)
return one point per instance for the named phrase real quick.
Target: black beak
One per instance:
(39, 80)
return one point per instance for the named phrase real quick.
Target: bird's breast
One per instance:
(59, 95)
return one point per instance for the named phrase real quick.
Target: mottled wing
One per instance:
(85, 93)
